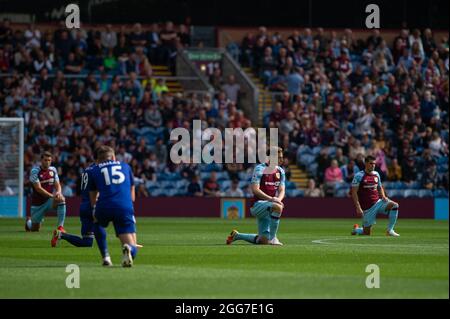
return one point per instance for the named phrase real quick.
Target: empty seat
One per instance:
(425, 193)
(244, 176)
(181, 183)
(395, 193)
(167, 184)
(443, 160)
(295, 193)
(221, 176)
(343, 192)
(414, 185)
(342, 185)
(304, 149)
(307, 159)
(316, 150)
(388, 185)
(225, 185)
(243, 184)
(151, 184)
(408, 193)
(204, 175)
(158, 192)
(400, 185)
(290, 185)
(440, 193)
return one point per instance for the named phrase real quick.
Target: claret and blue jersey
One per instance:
(368, 185)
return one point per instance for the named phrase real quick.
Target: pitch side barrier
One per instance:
(430, 208)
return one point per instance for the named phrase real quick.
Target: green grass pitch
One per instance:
(188, 258)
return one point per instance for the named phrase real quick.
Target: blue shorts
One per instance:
(261, 210)
(38, 212)
(122, 219)
(370, 215)
(87, 222)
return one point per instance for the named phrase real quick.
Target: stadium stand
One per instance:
(334, 98)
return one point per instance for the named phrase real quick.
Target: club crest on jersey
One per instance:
(375, 179)
(51, 173)
(277, 175)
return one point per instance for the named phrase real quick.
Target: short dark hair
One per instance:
(46, 154)
(104, 153)
(274, 148)
(369, 158)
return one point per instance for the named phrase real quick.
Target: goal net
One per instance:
(11, 167)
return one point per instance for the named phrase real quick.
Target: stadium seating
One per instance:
(304, 147)
(342, 192)
(441, 193)
(295, 193)
(407, 193)
(425, 193)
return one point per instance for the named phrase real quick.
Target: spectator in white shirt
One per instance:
(234, 191)
(33, 37)
(232, 89)
(5, 190)
(109, 38)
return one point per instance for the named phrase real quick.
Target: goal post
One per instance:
(12, 200)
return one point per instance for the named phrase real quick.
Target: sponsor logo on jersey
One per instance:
(48, 181)
(272, 183)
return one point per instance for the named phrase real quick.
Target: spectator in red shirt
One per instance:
(211, 187)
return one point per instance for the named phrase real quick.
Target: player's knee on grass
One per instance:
(89, 240)
(367, 230)
(263, 240)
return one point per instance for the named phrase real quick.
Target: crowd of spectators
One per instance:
(80, 51)
(114, 101)
(343, 106)
(340, 99)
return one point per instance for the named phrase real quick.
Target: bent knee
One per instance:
(89, 240)
(367, 230)
(392, 206)
(278, 208)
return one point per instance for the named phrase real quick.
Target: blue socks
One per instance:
(133, 251)
(359, 230)
(274, 224)
(78, 241)
(100, 237)
(393, 214)
(61, 211)
(251, 238)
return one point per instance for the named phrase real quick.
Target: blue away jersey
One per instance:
(113, 181)
(85, 206)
